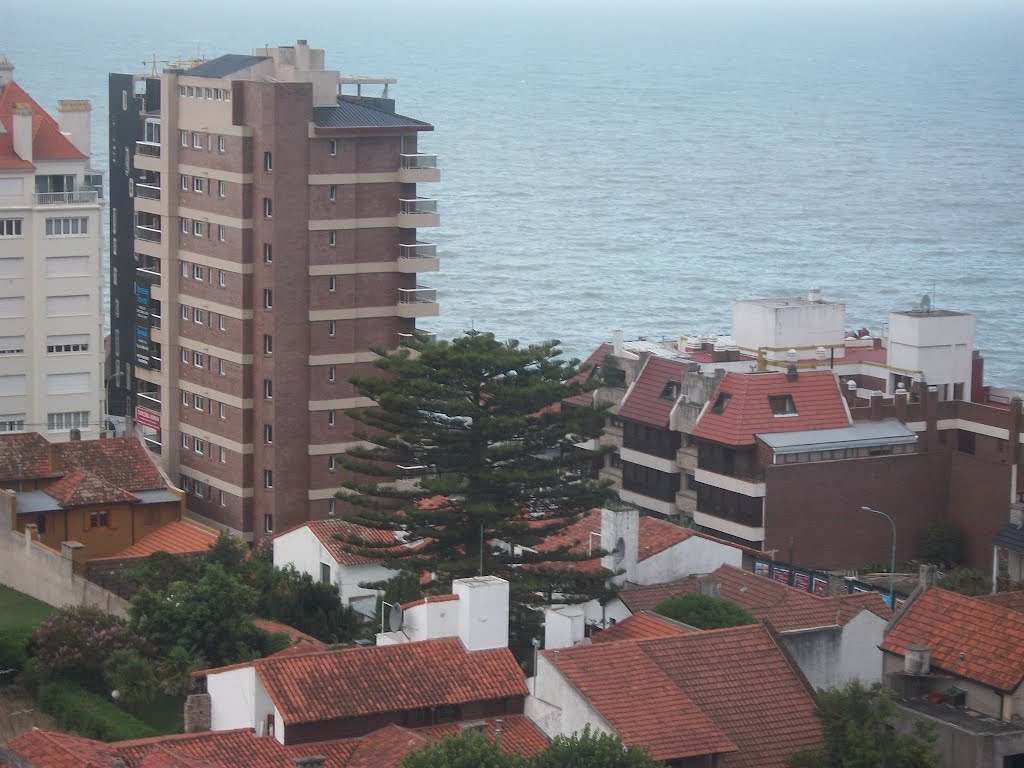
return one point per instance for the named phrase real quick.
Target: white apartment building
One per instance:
(51, 268)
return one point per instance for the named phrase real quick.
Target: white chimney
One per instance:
(563, 626)
(22, 130)
(620, 537)
(483, 612)
(917, 660)
(74, 118)
(814, 295)
(6, 71)
(617, 343)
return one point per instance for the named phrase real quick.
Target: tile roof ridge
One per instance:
(57, 740)
(174, 737)
(776, 639)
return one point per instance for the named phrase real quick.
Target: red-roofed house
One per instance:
(727, 697)
(353, 691)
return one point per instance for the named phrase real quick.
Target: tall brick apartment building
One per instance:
(263, 239)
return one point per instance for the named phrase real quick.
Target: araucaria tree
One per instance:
(483, 420)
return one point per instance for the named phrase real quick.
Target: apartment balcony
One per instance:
(418, 212)
(417, 302)
(82, 197)
(149, 276)
(149, 234)
(147, 191)
(418, 168)
(418, 257)
(153, 444)
(149, 400)
(147, 148)
(409, 339)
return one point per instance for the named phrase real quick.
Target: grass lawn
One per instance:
(165, 714)
(18, 611)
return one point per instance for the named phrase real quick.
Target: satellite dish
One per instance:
(395, 618)
(926, 303)
(620, 549)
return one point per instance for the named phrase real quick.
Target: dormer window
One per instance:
(671, 391)
(782, 405)
(721, 402)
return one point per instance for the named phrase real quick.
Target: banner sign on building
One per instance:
(146, 417)
(142, 324)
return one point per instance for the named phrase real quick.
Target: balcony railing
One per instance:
(418, 250)
(82, 197)
(417, 295)
(147, 148)
(148, 401)
(153, 278)
(419, 205)
(155, 363)
(410, 339)
(153, 445)
(148, 191)
(419, 161)
(147, 233)
(155, 321)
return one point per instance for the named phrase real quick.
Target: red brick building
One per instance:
(268, 223)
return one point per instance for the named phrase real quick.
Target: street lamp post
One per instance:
(892, 557)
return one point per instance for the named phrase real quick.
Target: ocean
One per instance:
(639, 164)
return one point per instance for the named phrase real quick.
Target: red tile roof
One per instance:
(787, 608)
(518, 734)
(385, 748)
(640, 626)
(328, 532)
(48, 749)
(744, 682)
(586, 399)
(25, 455)
(1012, 600)
(354, 682)
(48, 143)
(297, 638)
(819, 405)
(640, 701)
(967, 637)
(120, 461)
(644, 401)
(78, 488)
(176, 538)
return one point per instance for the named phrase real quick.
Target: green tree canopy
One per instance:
(465, 750)
(704, 612)
(855, 724)
(943, 544)
(966, 581)
(484, 420)
(592, 749)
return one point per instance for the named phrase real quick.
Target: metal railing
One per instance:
(147, 148)
(418, 205)
(151, 403)
(151, 276)
(417, 250)
(153, 445)
(66, 198)
(148, 191)
(415, 161)
(418, 295)
(147, 233)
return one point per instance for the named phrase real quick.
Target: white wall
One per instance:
(695, 555)
(939, 345)
(483, 612)
(557, 708)
(233, 699)
(430, 621)
(772, 323)
(860, 658)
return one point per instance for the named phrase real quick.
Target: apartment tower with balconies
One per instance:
(270, 239)
(51, 268)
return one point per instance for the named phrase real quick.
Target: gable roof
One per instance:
(640, 626)
(989, 637)
(1011, 600)
(78, 488)
(351, 115)
(586, 399)
(816, 395)
(48, 143)
(120, 461)
(179, 537)
(388, 678)
(328, 532)
(225, 65)
(25, 455)
(644, 401)
(787, 608)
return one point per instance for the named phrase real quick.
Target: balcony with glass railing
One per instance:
(147, 191)
(147, 227)
(418, 168)
(417, 302)
(417, 257)
(418, 212)
(147, 148)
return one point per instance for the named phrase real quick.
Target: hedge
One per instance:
(13, 652)
(76, 709)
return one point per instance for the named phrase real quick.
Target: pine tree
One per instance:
(483, 421)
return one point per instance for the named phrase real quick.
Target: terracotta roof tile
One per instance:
(298, 639)
(388, 678)
(644, 401)
(787, 608)
(25, 455)
(48, 749)
(79, 487)
(586, 399)
(176, 538)
(429, 599)
(48, 143)
(518, 734)
(616, 677)
(990, 637)
(328, 532)
(640, 626)
(816, 396)
(120, 461)
(1012, 600)
(385, 747)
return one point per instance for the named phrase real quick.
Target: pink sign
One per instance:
(147, 418)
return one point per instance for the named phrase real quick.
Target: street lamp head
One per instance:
(866, 509)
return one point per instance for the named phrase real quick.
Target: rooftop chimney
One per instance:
(900, 401)
(74, 116)
(917, 660)
(22, 131)
(815, 295)
(710, 586)
(791, 373)
(876, 406)
(617, 343)
(927, 576)
(6, 71)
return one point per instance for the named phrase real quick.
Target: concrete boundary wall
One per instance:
(38, 571)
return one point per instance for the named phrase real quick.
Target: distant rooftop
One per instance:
(348, 114)
(225, 65)
(860, 434)
(778, 302)
(931, 313)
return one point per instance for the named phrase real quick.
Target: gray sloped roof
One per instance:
(224, 65)
(860, 434)
(1011, 537)
(348, 114)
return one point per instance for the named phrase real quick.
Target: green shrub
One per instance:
(704, 612)
(87, 714)
(13, 652)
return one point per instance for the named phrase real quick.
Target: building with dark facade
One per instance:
(264, 232)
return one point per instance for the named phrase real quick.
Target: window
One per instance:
(197, 316)
(197, 184)
(184, 355)
(325, 573)
(222, 323)
(221, 233)
(191, 91)
(332, 192)
(268, 478)
(199, 488)
(184, 312)
(268, 298)
(222, 369)
(184, 182)
(268, 253)
(67, 420)
(184, 138)
(268, 521)
(99, 519)
(197, 359)
(184, 268)
(222, 411)
(721, 402)
(221, 278)
(268, 433)
(332, 373)
(221, 145)
(10, 227)
(198, 272)
(782, 405)
(12, 422)
(965, 441)
(184, 397)
(200, 447)
(332, 328)
(268, 389)
(268, 161)
(330, 418)
(332, 238)
(333, 147)
(268, 344)
(181, 90)
(58, 344)
(197, 140)
(671, 390)
(186, 441)
(330, 506)
(209, 93)
(68, 226)
(222, 188)
(184, 225)
(200, 402)
(197, 228)
(223, 499)
(15, 345)
(268, 208)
